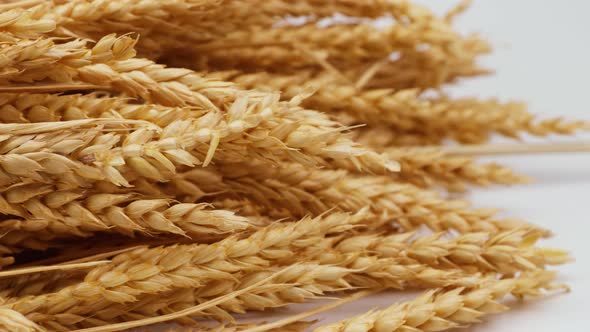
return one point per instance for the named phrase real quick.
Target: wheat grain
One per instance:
(442, 310)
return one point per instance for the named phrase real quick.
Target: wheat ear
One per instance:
(466, 120)
(157, 269)
(303, 282)
(110, 63)
(433, 167)
(186, 22)
(344, 45)
(507, 252)
(442, 310)
(302, 190)
(64, 213)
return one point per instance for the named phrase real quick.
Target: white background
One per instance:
(542, 50)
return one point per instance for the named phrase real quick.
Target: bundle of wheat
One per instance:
(243, 163)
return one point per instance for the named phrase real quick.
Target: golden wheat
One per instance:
(443, 310)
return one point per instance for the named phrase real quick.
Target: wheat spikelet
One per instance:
(382, 137)
(6, 255)
(442, 310)
(475, 120)
(11, 320)
(39, 152)
(45, 107)
(18, 23)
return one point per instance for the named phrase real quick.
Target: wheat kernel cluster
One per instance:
(188, 161)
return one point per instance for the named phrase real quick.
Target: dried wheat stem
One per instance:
(329, 306)
(297, 326)
(61, 267)
(442, 310)
(519, 148)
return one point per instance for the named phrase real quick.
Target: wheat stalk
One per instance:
(442, 310)
(518, 148)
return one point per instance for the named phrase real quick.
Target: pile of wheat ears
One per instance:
(189, 160)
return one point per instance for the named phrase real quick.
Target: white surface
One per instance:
(542, 53)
